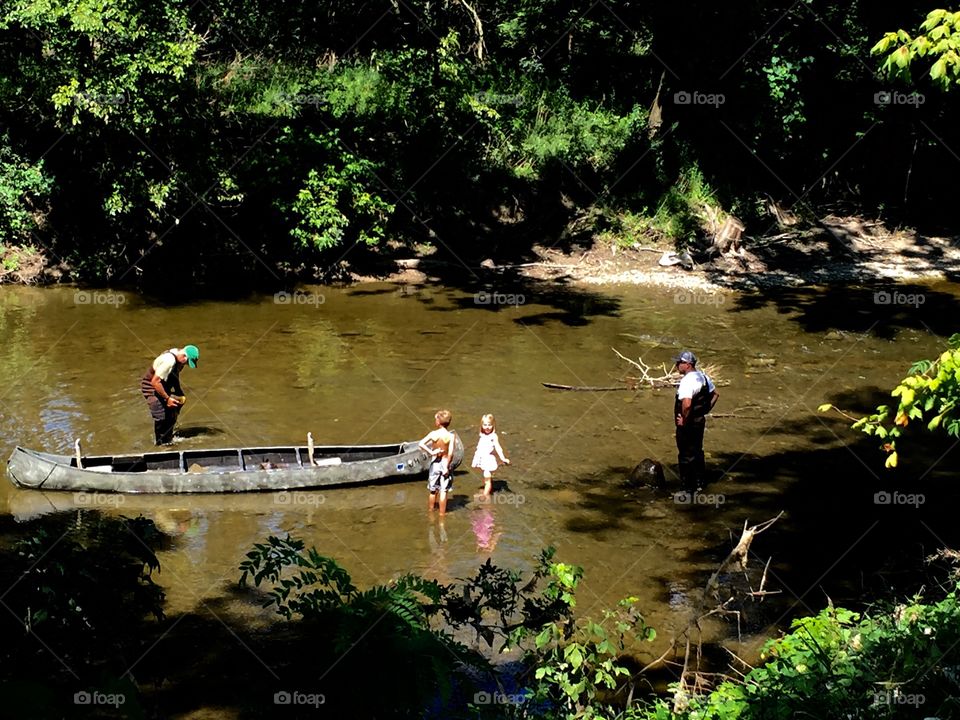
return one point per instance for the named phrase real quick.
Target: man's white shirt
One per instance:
(691, 383)
(164, 364)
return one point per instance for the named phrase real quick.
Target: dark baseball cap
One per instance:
(687, 357)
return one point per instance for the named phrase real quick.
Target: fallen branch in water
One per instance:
(585, 388)
(693, 680)
(666, 378)
(739, 553)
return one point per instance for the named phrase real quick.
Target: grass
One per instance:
(686, 212)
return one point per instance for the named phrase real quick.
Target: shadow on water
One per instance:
(193, 431)
(880, 310)
(225, 658)
(852, 531)
(503, 290)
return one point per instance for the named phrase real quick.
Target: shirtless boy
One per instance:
(439, 443)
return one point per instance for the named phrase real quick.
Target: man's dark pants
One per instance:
(164, 420)
(690, 454)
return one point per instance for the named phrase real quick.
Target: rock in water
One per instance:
(649, 473)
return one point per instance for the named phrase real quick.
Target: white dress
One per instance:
(485, 457)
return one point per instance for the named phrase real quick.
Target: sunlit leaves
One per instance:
(940, 36)
(108, 60)
(340, 201)
(22, 186)
(930, 392)
(840, 664)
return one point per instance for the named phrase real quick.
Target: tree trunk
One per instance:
(727, 238)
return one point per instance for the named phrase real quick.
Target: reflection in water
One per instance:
(62, 419)
(484, 528)
(439, 547)
(182, 523)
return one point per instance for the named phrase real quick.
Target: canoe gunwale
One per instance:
(33, 469)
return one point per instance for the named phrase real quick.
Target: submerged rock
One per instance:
(648, 473)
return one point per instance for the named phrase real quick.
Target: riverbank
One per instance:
(837, 250)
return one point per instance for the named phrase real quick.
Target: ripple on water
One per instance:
(63, 421)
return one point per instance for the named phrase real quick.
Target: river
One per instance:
(372, 363)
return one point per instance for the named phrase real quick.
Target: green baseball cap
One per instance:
(193, 354)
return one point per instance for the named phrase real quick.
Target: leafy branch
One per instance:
(939, 38)
(929, 394)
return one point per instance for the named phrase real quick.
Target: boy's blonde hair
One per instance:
(443, 417)
(489, 418)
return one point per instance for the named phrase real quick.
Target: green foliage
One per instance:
(929, 394)
(567, 663)
(180, 134)
(369, 633)
(783, 79)
(339, 203)
(683, 208)
(102, 58)
(839, 664)
(24, 187)
(575, 665)
(83, 584)
(937, 44)
(319, 585)
(553, 128)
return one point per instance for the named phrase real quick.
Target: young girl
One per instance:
(488, 449)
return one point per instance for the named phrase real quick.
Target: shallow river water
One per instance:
(372, 363)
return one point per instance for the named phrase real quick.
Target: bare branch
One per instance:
(479, 27)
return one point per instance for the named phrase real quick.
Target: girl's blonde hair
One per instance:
(490, 419)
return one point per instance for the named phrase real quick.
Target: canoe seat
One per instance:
(100, 468)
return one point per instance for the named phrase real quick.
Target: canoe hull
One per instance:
(210, 471)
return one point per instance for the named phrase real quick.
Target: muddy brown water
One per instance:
(372, 363)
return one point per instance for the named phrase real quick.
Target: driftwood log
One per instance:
(586, 388)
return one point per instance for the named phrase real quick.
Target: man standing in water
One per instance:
(696, 396)
(161, 389)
